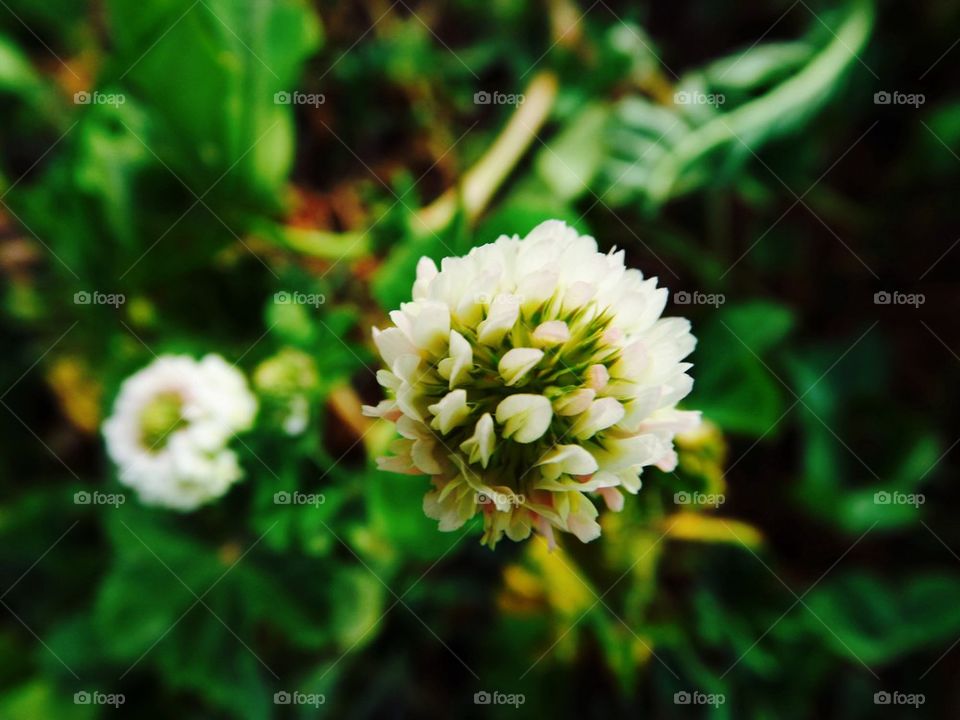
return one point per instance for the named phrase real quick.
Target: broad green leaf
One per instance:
(878, 620)
(735, 384)
(568, 163)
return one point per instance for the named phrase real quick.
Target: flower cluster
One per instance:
(529, 375)
(170, 428)
(285, 382)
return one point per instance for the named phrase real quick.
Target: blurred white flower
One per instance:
(285, 382)
(170, 427)
(529, 374)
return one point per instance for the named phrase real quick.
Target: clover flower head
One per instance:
(527, 378)
(285, 382)
(171, 424)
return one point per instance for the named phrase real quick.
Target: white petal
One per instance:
(536, 288)
(460, 363)
(383, 409)
(612, 336)
(480, 446)
(407, 368)
(426, 272)
(516, 363)
(668, 463)
(413, 429)
(621, 454)
(552, 332)
(526, 417)
(574, 403)
(409, 400)
(504, 311)
(613, 498)
(633, 361)
(578, 295)
(387, 379)
(568, 460)
(423, 458)
(597, 377)
(431, 326)
(601, 414)
(392, 343)
(450, 412)
(582, 519)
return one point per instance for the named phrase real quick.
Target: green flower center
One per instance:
(562, 370)
(162, 417)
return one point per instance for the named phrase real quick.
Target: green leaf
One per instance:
(704, 144)
(568, 164)
(358, 603)
(736, 387)
(237, 56)
(40, 698)
(757, 66)
(395, 505)
(530, 204)
(16, 73)
(877, 620)
(315, 243)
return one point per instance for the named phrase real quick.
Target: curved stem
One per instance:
(482, 180)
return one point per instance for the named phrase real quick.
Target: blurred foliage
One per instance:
(733, 152)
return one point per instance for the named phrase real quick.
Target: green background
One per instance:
(788, 192)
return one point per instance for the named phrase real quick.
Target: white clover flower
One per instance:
(285, 382)
(529, 375)
(170, 427)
